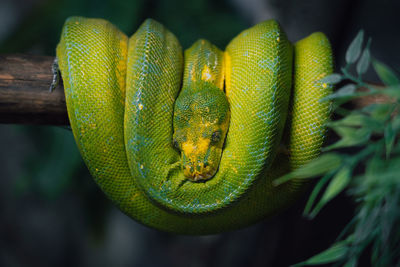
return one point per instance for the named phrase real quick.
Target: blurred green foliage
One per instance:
(188, 20)
(52, 172)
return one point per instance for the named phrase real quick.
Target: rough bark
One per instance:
(25, 97)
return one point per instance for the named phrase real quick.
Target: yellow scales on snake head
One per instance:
(188, 143)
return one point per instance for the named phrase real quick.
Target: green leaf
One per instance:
(364, 61)
(357, 119)
(333, 78)
(386, 74)
(333, 254)
(392, 91)
(396, 123)
(350, 137)
(345, 91)
(316, 190)
(316, 167)
(389, 139)
(379, 111)
(354, 50)
(351, 262)
(338, 183)
(386, 170)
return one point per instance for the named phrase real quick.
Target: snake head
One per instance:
(201, 120)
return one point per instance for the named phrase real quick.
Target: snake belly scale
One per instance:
(190, 142)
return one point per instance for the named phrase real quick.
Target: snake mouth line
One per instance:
(202, 177)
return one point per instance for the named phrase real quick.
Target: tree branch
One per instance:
(24, 91)
(25, 97)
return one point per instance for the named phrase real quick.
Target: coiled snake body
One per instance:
(191, 143)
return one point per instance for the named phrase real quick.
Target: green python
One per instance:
(190, 142)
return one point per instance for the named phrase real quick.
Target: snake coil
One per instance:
(134, 106)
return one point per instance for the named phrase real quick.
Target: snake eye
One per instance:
(176, 144)
(216, 136)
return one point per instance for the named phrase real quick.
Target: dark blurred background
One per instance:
(52, 213)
